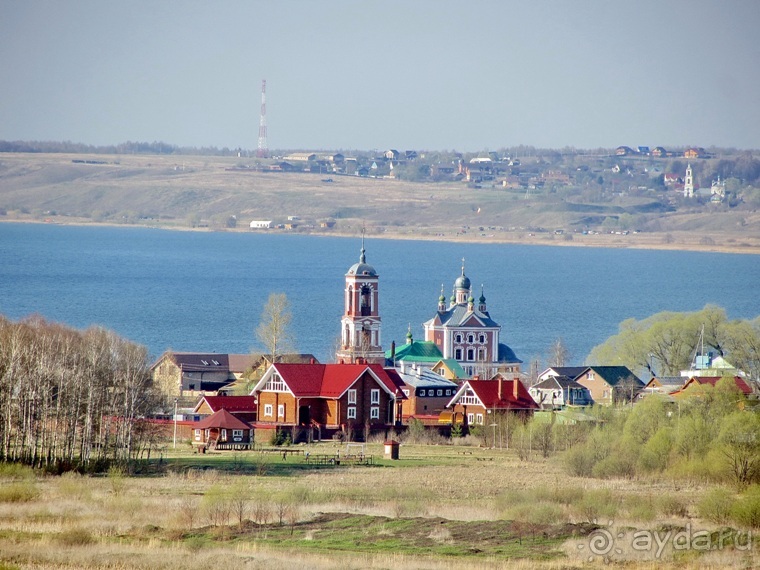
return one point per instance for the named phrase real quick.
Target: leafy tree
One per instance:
(665, 343)
(740, 444)
(274, 331)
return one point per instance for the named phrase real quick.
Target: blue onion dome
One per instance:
(462, 282)
(482, 299)
(362, 268)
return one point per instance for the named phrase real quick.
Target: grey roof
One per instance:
(615, 375)
(424, 378)
(457, 315)
(557, 382)
(569, 371)
(362, 268)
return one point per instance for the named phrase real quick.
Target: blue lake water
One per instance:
(192, 291)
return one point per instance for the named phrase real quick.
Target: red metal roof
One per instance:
(224, 420)
(713, 380)
(329, 380)
(230, 403)
(488, 392)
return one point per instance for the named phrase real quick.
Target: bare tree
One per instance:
(274, 331)
(558, 353)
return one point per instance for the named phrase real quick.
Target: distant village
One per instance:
(462, 376)
(656, 173)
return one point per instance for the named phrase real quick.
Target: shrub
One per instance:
(579, 461)
(21, 492)
(15, 471)
(746, 510)
(75, 537)
(672, 506)
(716, 505)
(597, 505)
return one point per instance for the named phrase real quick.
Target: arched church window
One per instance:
(458, 338)
(470, 354)
(470, 338)
(481, 338)
(350, 306)
(366, 301)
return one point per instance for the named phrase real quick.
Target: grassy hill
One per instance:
(185, 192)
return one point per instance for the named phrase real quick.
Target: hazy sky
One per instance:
(413, 74)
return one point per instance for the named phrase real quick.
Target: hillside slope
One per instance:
(210, 192)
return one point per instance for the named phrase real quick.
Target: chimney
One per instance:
(312, 361)
(393, 351)
(501, 381)
(516, 388)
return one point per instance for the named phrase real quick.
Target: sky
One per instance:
(414, 74)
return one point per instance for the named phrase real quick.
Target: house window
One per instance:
(197, 435)
(470, 354)
(406, 393)
(470, 418)
(281, 411)
(352, 396)
(276, 384)
(375, 397)
(479, 419)
(224, 435)
(448, 391)
(268, 410)
(458, 354)
(439, 392)
(374, 413)
(237, 434)
(351, 415)
(422, 392)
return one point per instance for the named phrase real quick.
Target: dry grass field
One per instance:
(438, 507)
(182, 192)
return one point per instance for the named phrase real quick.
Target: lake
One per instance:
(195, 291)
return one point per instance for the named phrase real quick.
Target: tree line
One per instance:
(71, 398)
(665, 343)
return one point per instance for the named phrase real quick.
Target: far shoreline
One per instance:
(644, 241)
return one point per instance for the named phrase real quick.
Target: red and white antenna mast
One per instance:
(263, 151)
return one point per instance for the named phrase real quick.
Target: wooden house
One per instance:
(222, 430)
(242, 407)
(330, 397)
(478, 402)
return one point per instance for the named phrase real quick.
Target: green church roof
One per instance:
(419, 351)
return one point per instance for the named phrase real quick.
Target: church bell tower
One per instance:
(360, 326)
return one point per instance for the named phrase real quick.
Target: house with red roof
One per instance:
(741, 384)
(477, 402)
(346, 398)
(222, 430)
(242, 407)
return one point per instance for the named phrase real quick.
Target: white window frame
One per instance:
(237, 434)
(280, 411)
(479, 419)
(351, 413)
(422, 392)
(374, 396)
(197, 435)
(374, 413)
(439, 392)
(470, 419)
(352, 396)
(268, 410)
(223, 436)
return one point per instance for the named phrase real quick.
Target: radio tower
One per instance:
(263, 151)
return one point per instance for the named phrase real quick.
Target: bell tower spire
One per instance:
(360, 324)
